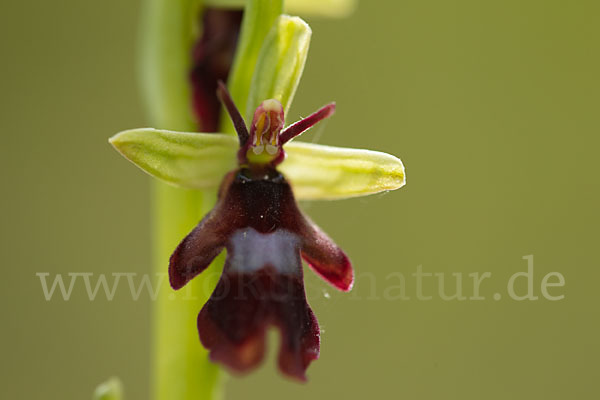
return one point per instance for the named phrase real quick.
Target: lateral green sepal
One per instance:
(190, 160)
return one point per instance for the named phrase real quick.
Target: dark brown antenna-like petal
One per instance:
(306, 123)
(234, 113)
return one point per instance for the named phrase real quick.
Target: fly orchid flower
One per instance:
(260, 174)
(258, 221)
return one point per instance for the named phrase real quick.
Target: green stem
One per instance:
(181, 368)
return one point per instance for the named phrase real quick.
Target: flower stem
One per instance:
(181, 369)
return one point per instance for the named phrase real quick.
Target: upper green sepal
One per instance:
(259, 18)
(269, 61)
(280, 64)
(200, 160)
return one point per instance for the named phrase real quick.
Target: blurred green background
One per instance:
(493, 107)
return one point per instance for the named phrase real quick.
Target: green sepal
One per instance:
(318, 172)
(189, 160)
(280, 64)
(259, 17)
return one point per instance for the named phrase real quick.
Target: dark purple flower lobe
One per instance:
(195, 253)
(325, 257)
(259, 223)
(233, 323)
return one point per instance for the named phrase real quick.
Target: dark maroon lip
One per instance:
(258, 301)
(233, 322)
